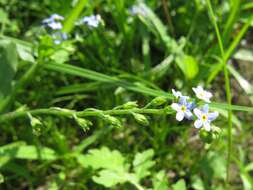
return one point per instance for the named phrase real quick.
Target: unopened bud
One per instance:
(35, 124)
(130, 105)
(158, 101)
(141, 119)
(83, 123)
(112, 121)
(206, 136)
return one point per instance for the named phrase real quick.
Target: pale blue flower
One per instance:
(202, 94)
(92, 21)
(204, 117)
(54, 22)
(183, 109)
(178, 94)
(138, 10)
(58, 37)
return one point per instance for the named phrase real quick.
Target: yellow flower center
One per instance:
(204, 117)
(183, 108)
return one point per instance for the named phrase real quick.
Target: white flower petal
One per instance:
(175, 106)
(198, 123)
(208, 94)
(197, 112)
(205, 108)
(207, 126)
(180, 116)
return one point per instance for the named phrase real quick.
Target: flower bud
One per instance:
(206, 136)
(158, 101)
(35, 124)
(130, 105)
(83, 123)
(112, 121)
(141, 119)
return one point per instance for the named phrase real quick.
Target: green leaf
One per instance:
(8, 66)
(160, 181)
(110, 178)
(179, 185)
(142, 163)
(188, 65)
(27, 152)
(103, 159)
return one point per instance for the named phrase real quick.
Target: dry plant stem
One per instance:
(167, 15)
(227, 86)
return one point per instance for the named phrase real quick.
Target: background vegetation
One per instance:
(47, 142)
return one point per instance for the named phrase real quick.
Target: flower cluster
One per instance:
(54, 22)
(189, 110)
(91, 21)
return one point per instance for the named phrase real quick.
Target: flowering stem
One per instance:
(227, 86)
(86, 113)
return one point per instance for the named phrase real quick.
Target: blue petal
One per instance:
(182, 100)
(191, 105)
(205, 108)
(212, 116)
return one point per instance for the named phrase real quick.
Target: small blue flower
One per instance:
(183, 109)
(92, 21)
(178, 94)
(204, 118)
(138, 10)
(54, 22)
(58, 37)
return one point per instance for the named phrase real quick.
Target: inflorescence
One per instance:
(54, 22)
(189, 110)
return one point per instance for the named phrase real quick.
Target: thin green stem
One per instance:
(85, 113)
(227, 86)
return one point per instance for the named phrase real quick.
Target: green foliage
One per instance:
(110, 87)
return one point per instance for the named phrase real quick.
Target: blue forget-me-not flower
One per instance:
(178, 94)
(54, 21)
(204, 117)
(183, 108)
(92, 21)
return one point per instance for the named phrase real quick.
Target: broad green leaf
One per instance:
(25, 52)
(8, 66)
(142, 163)
(179, 185)
(29, 152)
(160, 181)
(188, 65)
(103, 159)
(109, 178)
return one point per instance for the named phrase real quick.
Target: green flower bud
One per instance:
(158, 101)
(130, 105)
(83, 123)
(141, 119)
(206, 136)
(112, 121)
(35, 124)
